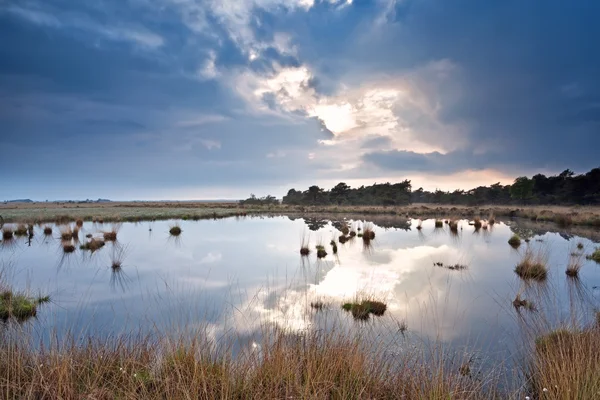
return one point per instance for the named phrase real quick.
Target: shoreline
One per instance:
(144, 211)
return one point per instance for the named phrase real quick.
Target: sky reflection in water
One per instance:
(238, 273)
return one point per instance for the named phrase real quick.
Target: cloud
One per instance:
(136, 35)
(211, 258)
(200, 120)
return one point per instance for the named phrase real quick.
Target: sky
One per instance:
(217, 99)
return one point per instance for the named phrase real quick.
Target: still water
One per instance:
(236, 274)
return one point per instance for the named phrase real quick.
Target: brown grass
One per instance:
(47, 230)
(533, 265)
(68, 247)
(575, 264)
(566, 364)
(21, 230)
(66, 233)
(311, 366)
(7, 233)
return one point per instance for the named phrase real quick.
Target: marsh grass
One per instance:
(439, 223)
(21, 230)
(579, 246)
(368, 233)
(68, 247)
(66, 233)
(93, 245)
(477, 223)
(313, 365)
(453, 225)
(514, 241)
(519, 303)
(47, 230)
(321, 252)
(79, 222)
(304, 249)
(566, 364)
(451, 267)
(574, 265)
(7, 232)
(175, 230)
(362, 309)
(420, 225)
(595, 256)
(532, 265)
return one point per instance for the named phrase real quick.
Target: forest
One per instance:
(565, 188)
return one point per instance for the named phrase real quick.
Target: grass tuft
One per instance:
(362, 310)
(595, 256)
(7, 233)
(17, 306)
(519, 303)
(47, 230)
(21, 230)
(514, 241)
(175, 230)
(68, 247)
(439, 223)
(532, 266)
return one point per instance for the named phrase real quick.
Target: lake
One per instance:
(238, 273)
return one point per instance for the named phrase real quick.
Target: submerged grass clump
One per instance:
(452, 267)
(47, 230)
(175, 230)
(93, 245)
(477, 222)
(66, 233)
(515, 240)
(7, 233)
(368, 233)
(439, 223)
(595, 256)
(533, 265)
(363, 309)
(519, 303)
(21, 230)
(321, 252)
(18, 305)
(574, 265)
(68, 247)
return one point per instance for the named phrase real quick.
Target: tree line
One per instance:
(565, 188)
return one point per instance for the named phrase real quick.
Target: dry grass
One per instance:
(136, 211)
(21, 230)
(439, 223)
(66, 233)
(566, 365)
(533, 265)
(47, 230)
(519, 303)
(575, 264)
(93, 245)
(477, 222)
(368, 233)
(310, 366)
(110, 236)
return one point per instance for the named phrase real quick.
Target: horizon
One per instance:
(210, 100)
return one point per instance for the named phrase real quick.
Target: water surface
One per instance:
(239, 273)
